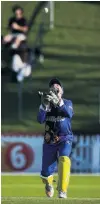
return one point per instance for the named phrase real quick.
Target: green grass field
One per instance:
(72, 53)
(30, 190)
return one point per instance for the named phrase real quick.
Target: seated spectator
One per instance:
(21, 64)
(18, 28)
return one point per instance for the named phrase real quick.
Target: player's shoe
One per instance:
(62, 194)
(49, 191)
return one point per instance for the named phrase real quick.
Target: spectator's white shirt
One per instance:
(19, 65)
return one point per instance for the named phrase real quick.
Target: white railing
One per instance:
(86, 154)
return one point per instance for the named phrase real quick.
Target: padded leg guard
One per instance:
(49, 190)
(47, 180)
(63, 173)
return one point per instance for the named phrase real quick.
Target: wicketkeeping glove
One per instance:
(44, 101)
(53, 98)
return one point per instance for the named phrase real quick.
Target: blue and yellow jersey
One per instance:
(58, 119)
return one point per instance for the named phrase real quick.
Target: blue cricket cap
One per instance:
(54, 81)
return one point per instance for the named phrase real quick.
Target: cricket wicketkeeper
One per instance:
(56, 112)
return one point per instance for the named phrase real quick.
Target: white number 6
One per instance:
(18, 158)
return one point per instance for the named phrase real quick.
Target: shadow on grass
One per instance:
(79, 28)
(72, 58)
(87, 48)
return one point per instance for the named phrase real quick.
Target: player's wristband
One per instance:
(61, 103)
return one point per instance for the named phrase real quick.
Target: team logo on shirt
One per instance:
(55, 119)
(47, 128)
